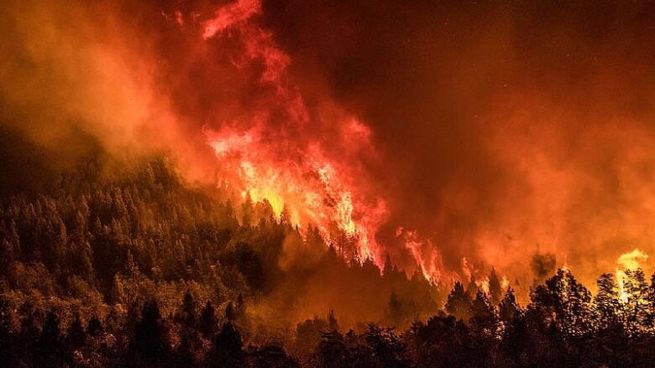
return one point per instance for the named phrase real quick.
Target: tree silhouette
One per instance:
(94, 327)
(208, 323)
(508, 308)
(310, 332)
(227, 348)
(607, 302)
(565, 302)
(495, 288)
(150, 343)
(230, 312)
(635, 303)
(484, 320)
(186, 352)
(442, 342)
(459, 303)
(50, 341)
(331, 351)
(95, 246)
(186, 314)
(75, 336)
(6, 334)
(387, 350)
(271, 356)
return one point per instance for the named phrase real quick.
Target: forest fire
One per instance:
(304, 187)
(323, 184)
(285, 165)
(628, 264)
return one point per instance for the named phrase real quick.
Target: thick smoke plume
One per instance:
(444, 131)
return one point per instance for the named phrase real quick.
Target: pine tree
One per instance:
(459, 303)
(75, 336)
(186, 350)
(636, 303)
(230, 312)
(607, 301)
(50, 344)
(484, 320)
(386, 349)
(208, 322)
(566, 302)
(150, 342)
(395, 306)
(331, 352)
(131, 267)
(94, 327)
(186, 314)
(508, 308)
(9, 245)
(7, 336)
(333, 325)
(85, 263)
(227, 349)
(650, 298)
(495, 288)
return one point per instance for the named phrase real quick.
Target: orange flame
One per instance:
(317, 181)
(628, 261)
(265, 165)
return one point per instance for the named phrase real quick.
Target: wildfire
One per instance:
(628, 262)
(277, 154)
(303, 183)
(483, 285)
(285, 165)
(427, 258)
(504, 283)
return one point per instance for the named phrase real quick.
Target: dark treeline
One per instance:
(95, 246)
(563, 326)
(95, 240)
(136, 269)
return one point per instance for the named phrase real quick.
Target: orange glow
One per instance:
(448, 150)
(424, 252)
(306, 184)
(629, 261)
(317, 182)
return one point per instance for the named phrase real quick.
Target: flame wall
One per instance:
(449, 137)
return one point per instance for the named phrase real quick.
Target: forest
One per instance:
(327, 184)
(138, 269)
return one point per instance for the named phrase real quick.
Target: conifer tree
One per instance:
(495, 288)
(459, 303)
(635, 304)
(150, 343)
(208, 322)
(484, 320)
(508, 308)
(227, 348)
(607, 301)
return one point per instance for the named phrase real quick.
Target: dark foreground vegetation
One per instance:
(561, 327)
(137, 270)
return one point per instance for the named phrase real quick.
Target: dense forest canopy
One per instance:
(138, 232)
(104, 266)
(294, 183)
(449, 136)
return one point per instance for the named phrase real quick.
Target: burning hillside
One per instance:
(436, 142)
(277, 152)
(369, 161)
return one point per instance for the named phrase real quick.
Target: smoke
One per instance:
(77, 75)
(506, 129)
(489, 132)
(543, 265)
(632, 260)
